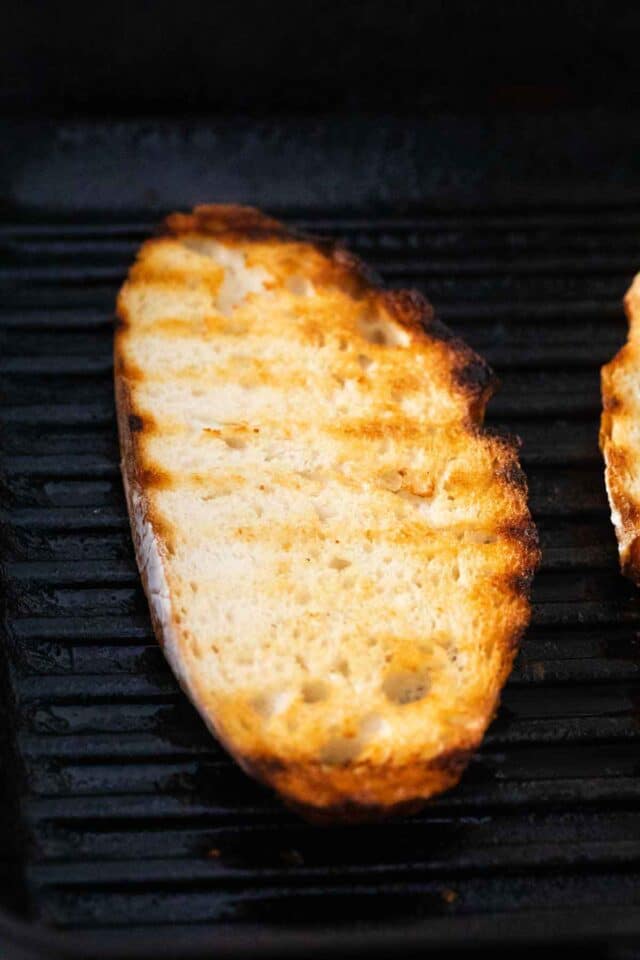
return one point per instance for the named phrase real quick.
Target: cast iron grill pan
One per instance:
(135, 823)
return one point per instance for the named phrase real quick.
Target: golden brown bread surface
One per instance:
(620, 438)
(337, 554)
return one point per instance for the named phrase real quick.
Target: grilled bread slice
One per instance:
(336, 554)
(620, 438)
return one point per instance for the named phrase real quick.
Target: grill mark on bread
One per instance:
(418, 539)
(346, 625)
(156, 479)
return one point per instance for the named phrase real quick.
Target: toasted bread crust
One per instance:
(617, 443)
(360, 790)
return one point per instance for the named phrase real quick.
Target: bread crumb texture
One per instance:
(620, 438)
(337, 555)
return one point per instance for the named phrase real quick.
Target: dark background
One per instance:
(184, 57)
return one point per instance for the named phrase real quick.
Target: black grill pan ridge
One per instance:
(141, 836)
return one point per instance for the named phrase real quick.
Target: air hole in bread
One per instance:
(382, 332)
(390, 480)
(477, 536)
(269, 705)
(236, 443)
(373, 726)
(300, 286)
(324, 512)
(342, 666)
(339, 563)
(405, 686)
(423, 504)
(340, 750)
(239, 279)
(364, 361)
(314, 691)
